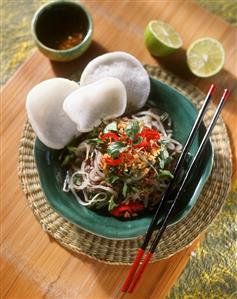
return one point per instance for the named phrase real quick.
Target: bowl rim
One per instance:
(58, 2)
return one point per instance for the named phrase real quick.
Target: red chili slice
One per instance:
(144, 143)
(111, 135)
(132, 207)
(149, 134)
(113, 162)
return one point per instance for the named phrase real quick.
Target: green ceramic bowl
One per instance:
(59, 22)
(183, 115)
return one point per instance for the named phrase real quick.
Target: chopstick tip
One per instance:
(226, 94)
(212, 89)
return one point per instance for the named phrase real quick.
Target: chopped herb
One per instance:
(112, 204)
(111, 127)
(161, 163)
(164, 154)
(113, 178)
(137, 140)
(164, 157)
(115, 148)
(168, 160)
(96, 130)
(132, 129)
(95, 141)
(163, 172)
(125, 189)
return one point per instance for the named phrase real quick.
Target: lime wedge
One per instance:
(205, 57)
(161, 39)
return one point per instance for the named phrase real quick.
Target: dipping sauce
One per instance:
(69, 41)
(62, 26)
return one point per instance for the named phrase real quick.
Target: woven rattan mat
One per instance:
(175, 238)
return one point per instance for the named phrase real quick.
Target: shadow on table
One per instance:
(176, 63)
(66, 69)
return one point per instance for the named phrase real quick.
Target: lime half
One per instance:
(205, 57)
(161, 39)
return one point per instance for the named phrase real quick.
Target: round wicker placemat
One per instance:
(175, 238)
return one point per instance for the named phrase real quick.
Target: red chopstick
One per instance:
(136, 271)
(164, 199)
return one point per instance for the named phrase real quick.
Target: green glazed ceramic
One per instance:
(57, 19)
(183, 115)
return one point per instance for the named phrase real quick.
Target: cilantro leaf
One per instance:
(95, 141)
(163, 172)
(132, 129)
(112, 204)
(115, 148)
(113, 178)
(111, 127)
(161, 163)
(125, 189)
(137, 140)
(164, 156)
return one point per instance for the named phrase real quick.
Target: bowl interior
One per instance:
(183, 115)
(59, 20)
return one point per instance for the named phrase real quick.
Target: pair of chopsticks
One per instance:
(138, 267)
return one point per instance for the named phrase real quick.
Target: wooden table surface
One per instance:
(32, 265)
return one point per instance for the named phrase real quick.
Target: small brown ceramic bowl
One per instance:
(62, 30)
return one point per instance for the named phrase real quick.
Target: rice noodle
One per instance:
(106, 188)
(87, 202)
(159, 124)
